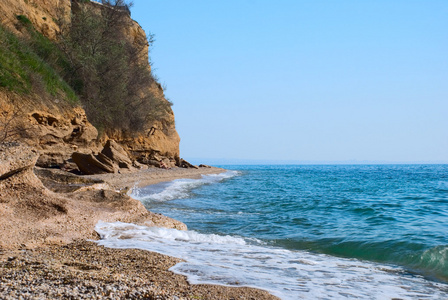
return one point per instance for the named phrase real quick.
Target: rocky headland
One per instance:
(71, 148)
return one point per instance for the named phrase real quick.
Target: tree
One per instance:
(12, 125)
(106, 67)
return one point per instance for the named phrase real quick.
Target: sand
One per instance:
(152, 176)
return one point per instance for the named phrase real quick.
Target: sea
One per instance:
(304, 231)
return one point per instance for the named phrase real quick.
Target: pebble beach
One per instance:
(83, 270)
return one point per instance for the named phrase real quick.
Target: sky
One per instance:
(308, 81)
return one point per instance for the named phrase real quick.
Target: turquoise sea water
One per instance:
(313, 232)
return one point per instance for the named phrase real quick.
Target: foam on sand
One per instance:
(235, 261)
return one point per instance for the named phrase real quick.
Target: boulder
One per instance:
(117, 154)
(107, 161)
(89, 164)
(15, 158)
(110, 160)
(186, 164)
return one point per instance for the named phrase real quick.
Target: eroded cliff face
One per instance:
(42, 13)
(56, 128)
(160, 138)
(53, 127)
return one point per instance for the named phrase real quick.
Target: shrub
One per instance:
(114, 86)
(23, 20)
(12, 124)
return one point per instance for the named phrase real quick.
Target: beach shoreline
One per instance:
(84, 270)
(152, 176)
(49, 255)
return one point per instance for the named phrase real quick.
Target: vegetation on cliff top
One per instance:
(116, 87)
(93, 61)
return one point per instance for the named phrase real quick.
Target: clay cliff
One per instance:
(53, 118)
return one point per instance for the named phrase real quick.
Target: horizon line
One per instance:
(225, 161)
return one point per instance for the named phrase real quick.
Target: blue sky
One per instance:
(304, 80)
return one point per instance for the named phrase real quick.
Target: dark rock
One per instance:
(117, 154)
(149, 161)
(186, 164)
(110, 160)
(153, 162)
(89, 164)
(60, 181)
(107, 161)
(50, 160)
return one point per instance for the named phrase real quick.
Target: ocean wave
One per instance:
(408, 254)
(178, 188)
(434, 261)
(126, 231)
(235, 261)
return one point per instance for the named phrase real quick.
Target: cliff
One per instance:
(42, 105)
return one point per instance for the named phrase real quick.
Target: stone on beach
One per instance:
(204, 166)
(117, 154)
(112, 158)
(89, 164)
(185, 164)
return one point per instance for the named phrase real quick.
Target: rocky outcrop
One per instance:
(185, 164)
(110, 160)
(60, 181)
(60, 135)
(23, 198)
(89, 164)
(116, 154)
(56, 128)
(16, 158)
(31, 214)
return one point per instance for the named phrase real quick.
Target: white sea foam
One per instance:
(288, 274)
(177, 189)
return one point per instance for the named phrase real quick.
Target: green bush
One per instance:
(113, 85)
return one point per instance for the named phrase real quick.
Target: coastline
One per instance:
(58, 260)
(151, 176)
